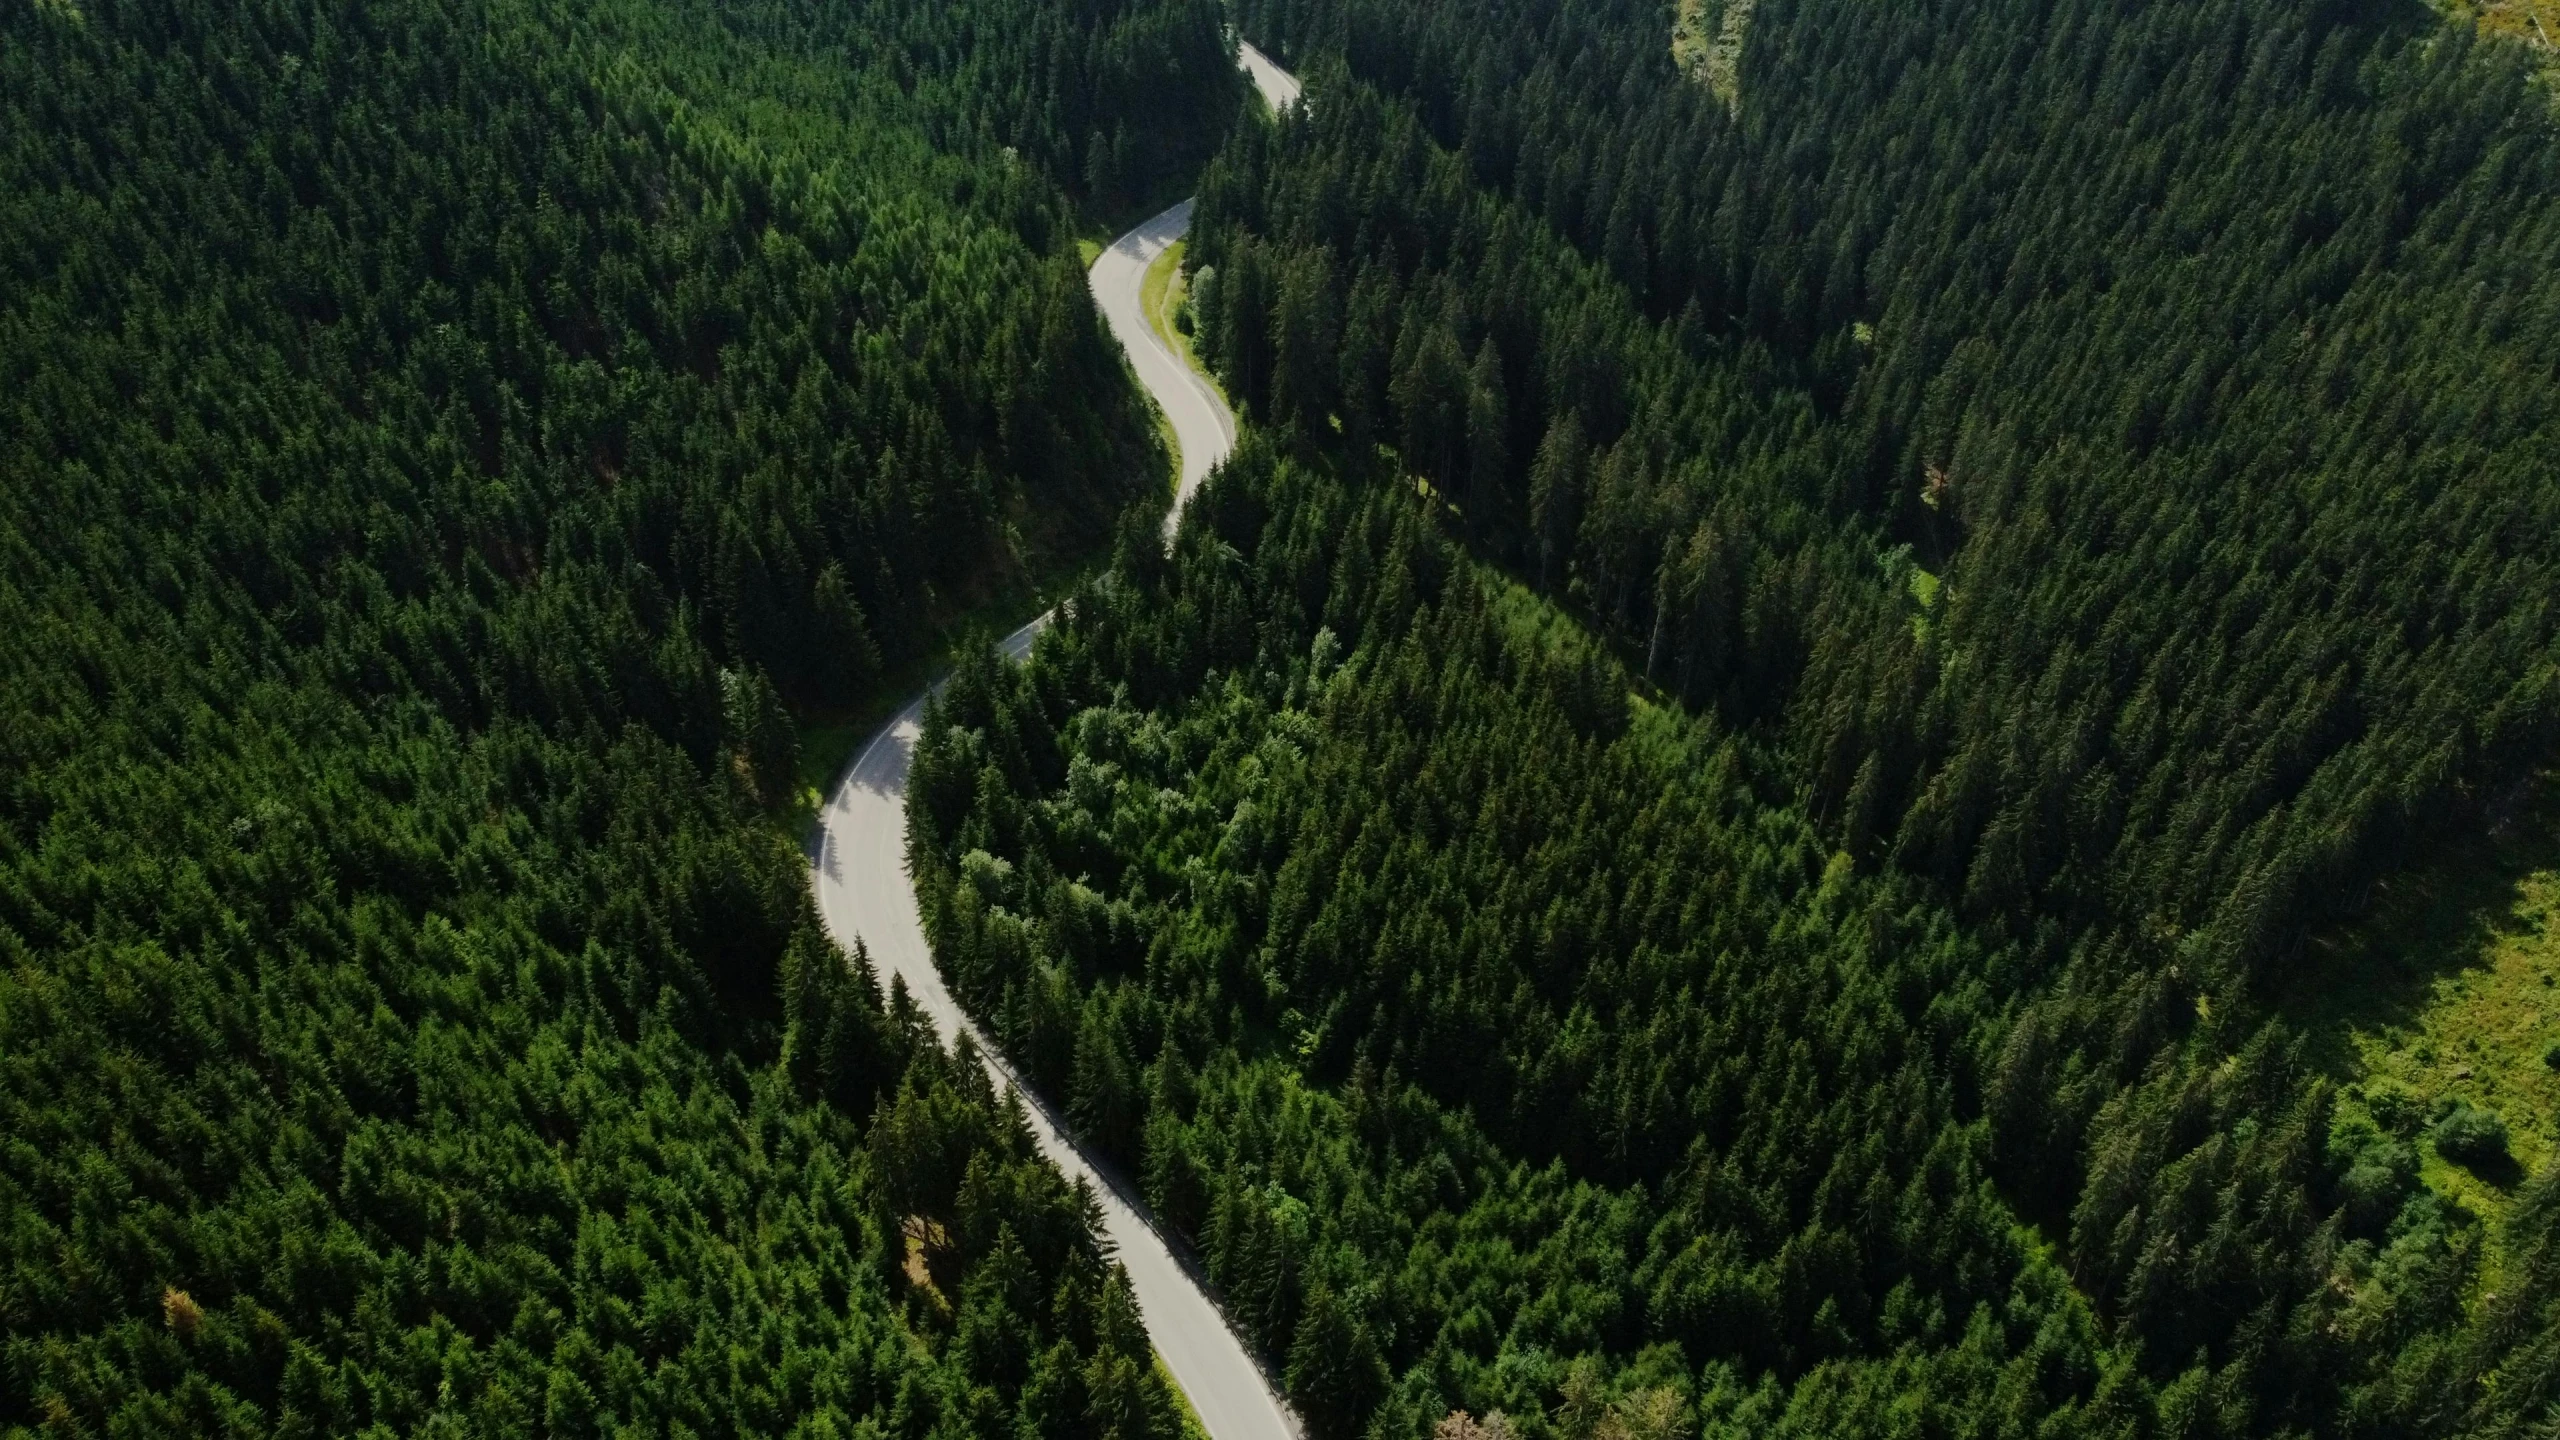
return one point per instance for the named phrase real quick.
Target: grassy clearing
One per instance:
(1924, 588)
(2533, 22)
(2450, 990)
(1706, 42)
(1533, 617)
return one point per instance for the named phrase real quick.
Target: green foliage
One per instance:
(1335, 1374)
(435, 441)
(2198, 353)
(2155, 488)
(1446, 1061)
(2469, 1135)
(760, 735)
(2377, 1173)
(1439, 989)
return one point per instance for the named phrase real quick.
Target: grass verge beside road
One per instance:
(1160, 295)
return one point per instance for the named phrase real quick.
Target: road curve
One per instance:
(1202, 423)
(1278, 86)
(863, 892)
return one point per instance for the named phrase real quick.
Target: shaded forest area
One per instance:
(2069, 488)
(1504, 1042)
(439, 440)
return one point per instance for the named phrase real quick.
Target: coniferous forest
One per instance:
(1827, 615)
(442, 444)
(1707, 829)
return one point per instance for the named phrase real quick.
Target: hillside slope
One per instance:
(2074, 482)
(438, 440)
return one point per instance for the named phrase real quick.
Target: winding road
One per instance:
(863, 892)
(1201, 421)
(1279, 88)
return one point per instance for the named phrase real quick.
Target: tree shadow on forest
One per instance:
(2444, 989)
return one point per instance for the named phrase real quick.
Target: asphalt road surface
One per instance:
(1201, 421)
(1277, 85)
(864, 894)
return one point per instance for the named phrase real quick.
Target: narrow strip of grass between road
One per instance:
(1160, 294)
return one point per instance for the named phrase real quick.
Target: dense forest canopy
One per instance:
(1602, 1091)
(2070, 487)
(2158, 333)
(439, 442)
(1702, 833)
